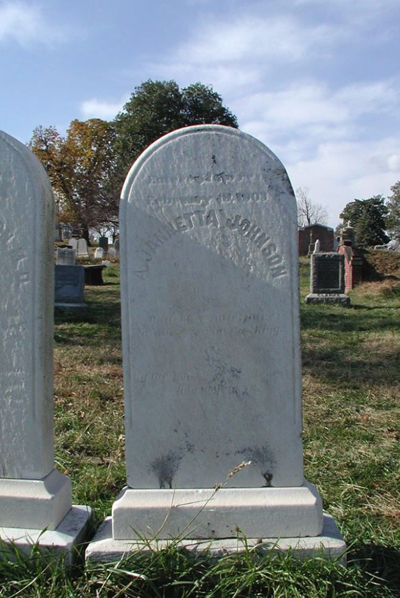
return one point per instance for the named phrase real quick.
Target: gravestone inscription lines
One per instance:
(210, 323)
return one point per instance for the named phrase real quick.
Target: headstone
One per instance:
(94, 274)
(327, 279)
(211, 353)
(57, 232)
(66, 256)
(317, 246)
(33, 494)
(82, 249)
(116, 246)
(103, 243)
(99, 253)
(112, 253)
(69, 287)
(74, 244)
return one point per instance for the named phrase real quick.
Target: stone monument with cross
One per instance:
(212, 375)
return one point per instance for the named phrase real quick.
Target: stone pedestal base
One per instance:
(35, 504)
(206, 513)
(329, 545)
(63, 542)
(330, 298)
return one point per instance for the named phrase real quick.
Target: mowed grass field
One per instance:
(351, 411)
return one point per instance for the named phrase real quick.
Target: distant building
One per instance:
(309, 234)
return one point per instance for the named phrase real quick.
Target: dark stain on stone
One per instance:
(225, 377)
(165, 468)
(263, 458)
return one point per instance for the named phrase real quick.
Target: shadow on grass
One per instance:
(356, 318)
(378, 561)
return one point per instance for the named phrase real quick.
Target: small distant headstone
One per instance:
(209, 299)
(57, 234)
(33, 494)
(74, 244)
(116, 246)
(103, 243)
(65, 256)
(69, 287)
(82, 248)
(99, 253)
(94, 274)
(112, 253)
(317, 246)
(327, 283)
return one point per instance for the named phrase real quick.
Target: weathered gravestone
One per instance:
(327, 281)
(211, 352)
(103, 243)
(99, 253)
(74, 244)
(33, 494)
(66, 256)
(69, 286)
(82, 248)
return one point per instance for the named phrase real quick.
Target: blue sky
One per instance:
(318, 81)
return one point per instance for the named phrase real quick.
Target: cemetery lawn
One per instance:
(351, 410)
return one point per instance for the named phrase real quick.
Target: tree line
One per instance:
(87, 166)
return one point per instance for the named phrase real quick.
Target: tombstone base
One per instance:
(204, 513)
(35, 504)
(70, 306)
(328, 545)
(328, 298)
(62, 542)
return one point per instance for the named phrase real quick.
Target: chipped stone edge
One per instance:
(63, 542)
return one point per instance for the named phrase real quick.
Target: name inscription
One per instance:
(211, 218)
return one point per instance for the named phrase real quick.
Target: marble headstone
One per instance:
(99, 253)
(82, 248)
(66, 256)
(33, 494)
(211, 352)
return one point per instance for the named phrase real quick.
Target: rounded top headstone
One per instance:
(209, 299)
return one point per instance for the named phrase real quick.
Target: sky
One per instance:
(317, 81)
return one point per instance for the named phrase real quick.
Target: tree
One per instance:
(158, 107)
(309, 212)
(80, 168)
(367, 217)
(393, 217)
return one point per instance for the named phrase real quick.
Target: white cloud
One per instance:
(340, 172)
(251, 38)
(25, 23)
(95, 108)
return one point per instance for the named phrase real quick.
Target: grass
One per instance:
(351, 395)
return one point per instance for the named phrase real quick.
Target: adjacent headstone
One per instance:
(82, 249)
(74, 244)
(98, 253)
(33, 494)
(69, 286)
(116, 246)
(66, 256)
(103, 243)
(112, 253)
(211, 351)
(94, 274)
(327, 279)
